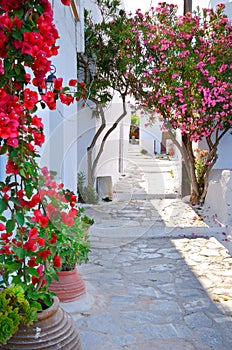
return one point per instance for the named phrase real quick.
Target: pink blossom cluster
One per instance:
(188, 68)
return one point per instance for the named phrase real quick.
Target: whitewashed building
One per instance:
(69, 130)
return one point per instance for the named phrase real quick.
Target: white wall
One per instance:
(58, 152)
(150, 133)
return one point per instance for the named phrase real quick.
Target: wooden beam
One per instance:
(74, 10)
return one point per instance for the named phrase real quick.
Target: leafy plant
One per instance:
(15, 309)
(86, 194)
(74, 243)
(144, 151)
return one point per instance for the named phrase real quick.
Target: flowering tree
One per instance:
(109, 64)
(187, 80)
(28, 254)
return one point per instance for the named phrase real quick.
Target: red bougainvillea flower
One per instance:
(67, 219)
(38, 217)
(66, 99)
(33, 233)
(49, 99)
(41, 241)
(65, 2)
(53, 240)
(57, 261)
(11, 168)
(72, 82)
(5, 249)
(9, 5)
(32, 262)
(30, 246)
(30, 99)
(39, 138)
(37, 122)
(2, 227)
(58, 84)
(44, 254)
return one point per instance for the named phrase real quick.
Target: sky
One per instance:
(132, 5)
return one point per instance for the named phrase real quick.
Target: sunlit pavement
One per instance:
(158, 276)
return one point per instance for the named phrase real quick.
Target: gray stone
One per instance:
(198, 319)
(123, 340)
(165, 307)
(210, 337)
(141, 317)
(104, 323)
(158, 331)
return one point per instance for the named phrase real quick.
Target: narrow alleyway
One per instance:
(157, 278)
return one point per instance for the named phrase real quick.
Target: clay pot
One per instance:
(69, 287)
(55, 329)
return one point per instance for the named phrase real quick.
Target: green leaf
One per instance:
(29, 190)
(3, 204)
(22, 172)
(15, 201)
(3, 218)
(32, 271)
(7, 65)
(14, 266)
(10, 225)
(3, 149)
(19, 218)
(20, 252)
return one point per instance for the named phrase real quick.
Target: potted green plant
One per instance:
(29, 260)
(73, 249)
(70, 228)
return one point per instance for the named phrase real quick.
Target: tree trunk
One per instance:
(93, 143)
(96, 160)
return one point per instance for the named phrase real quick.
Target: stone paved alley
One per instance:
(159, 275)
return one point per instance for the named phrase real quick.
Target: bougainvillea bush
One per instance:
(28, 239)
(187, 80)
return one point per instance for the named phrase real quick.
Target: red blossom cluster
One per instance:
(29, 217)
(60, 205)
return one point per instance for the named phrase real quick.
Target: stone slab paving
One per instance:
(158, 277)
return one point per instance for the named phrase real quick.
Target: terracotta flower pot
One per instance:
(69, 287)
(55, 329)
